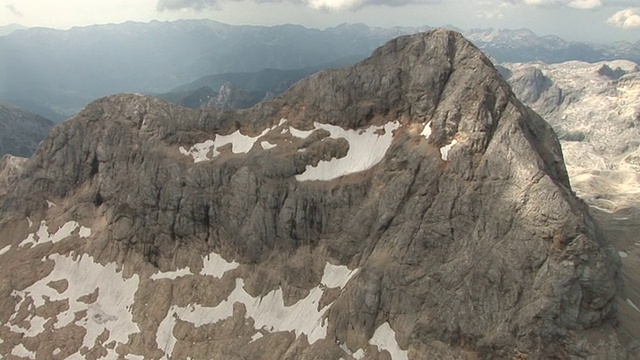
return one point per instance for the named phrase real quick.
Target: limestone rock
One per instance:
(406, 207)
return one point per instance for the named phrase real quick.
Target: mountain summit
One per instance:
(405, 207)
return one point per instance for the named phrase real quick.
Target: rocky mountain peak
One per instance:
(405, 206)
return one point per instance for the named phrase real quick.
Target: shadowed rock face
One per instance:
(487, 254)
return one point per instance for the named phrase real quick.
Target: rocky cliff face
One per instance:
(21, 131)
(406, 207)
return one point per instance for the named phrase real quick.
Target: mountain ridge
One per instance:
(129, 56)
(243, 232)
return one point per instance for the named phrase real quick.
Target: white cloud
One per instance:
(12, 8)
(335, 5)
(625, 19)
(585, 4)
(576, 4)
(490, 14)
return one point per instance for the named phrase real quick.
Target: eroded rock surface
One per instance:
(207, 240)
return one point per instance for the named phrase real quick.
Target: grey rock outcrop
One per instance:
(464, 240)
(21, 131)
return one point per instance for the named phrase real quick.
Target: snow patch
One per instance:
(84, 232)
(623, 254)
(43, 236)
(30, 222)
(109, 311)
(256, 336)
(444, 151)
(426, 132)
(50, 204)
(5, 249)
(336, 276)
(36, 326)
(240, 144)
(216, 266)
(301, 134)
(172, 274)
(385, 339)
(267, 145)
(22, 351)
(633, 305)
(358, 355)
(366, 149)
(134, 357)
(268, 312)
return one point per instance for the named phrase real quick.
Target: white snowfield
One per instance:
(112, 308)
(444, 151)
(212, 264)
(42, 236)
(385, 339)
(367, 148)
(110, 311)
(240, 144)
(268, 312)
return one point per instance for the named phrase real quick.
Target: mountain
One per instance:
(247, 88)
(65, 70)
(595, 109)
(406, 207)
(55, 73)
(8, 29)
(523, 45)
(21, 131)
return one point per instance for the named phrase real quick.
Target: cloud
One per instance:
(334, 5)
(487, 14)
(576, 4)
(625, 19)
(13, 9)
(585, 4)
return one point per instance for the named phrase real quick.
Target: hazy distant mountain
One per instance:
(249, 88)
(55, 73)
(64, 70)
(523, 45)
(8, 29)
(21, 131)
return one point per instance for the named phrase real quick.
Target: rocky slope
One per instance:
(21, 131)
(595, 108)
(406, 207)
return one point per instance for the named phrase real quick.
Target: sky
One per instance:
(582, 20)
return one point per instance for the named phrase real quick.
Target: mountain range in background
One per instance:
(55, 73)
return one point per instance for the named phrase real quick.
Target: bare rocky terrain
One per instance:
(595, 109)
(407, 207)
